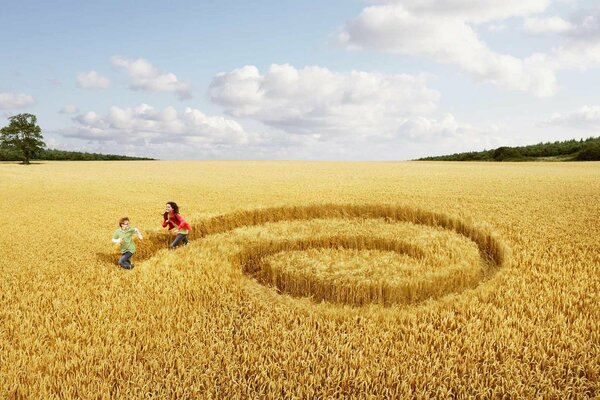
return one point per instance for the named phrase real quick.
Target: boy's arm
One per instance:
(116, 239)
(137, 232)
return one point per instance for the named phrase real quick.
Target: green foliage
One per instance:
(9, 154)
(579, 150)
(507, 154)
(63, 155)
(590, 152)
(485, 155)
(23, 135)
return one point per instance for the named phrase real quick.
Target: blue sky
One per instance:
(335, 80)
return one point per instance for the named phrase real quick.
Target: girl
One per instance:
(173, 219)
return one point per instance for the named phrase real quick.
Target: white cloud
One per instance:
(540, 25)
(144, 76)
(497, 28)
(169, 133)
(353, 115)
(145, 125)
(445, 35)
(581, 48)
(12, 100)
(190, 134)
(68, 109)
(308, 113)
(426, 129)
(92, 80)
(470, 10)
(586, 118)
(444, 31)
(573, 55)
(586, 25)
(319, 102)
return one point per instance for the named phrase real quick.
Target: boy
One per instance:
(124, 236)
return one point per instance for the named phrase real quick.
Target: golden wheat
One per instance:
(453, 264)
(302, 280)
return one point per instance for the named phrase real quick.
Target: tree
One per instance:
(589, 152)
(506, 153)
(24, 135)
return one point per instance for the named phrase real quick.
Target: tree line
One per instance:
(568, 150)
(64, 155)
(22, 140)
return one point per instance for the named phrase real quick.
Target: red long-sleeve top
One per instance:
(171, 222)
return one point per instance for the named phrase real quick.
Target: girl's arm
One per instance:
(182, 223)
(117, 240)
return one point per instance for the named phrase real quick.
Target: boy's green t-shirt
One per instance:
(127, 236)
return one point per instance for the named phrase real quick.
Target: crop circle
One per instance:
(481, 255)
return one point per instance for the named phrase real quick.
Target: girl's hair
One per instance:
(175, 208)
(123, 220)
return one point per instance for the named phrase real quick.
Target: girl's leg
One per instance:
(177, 240)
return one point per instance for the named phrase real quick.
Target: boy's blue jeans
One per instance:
(179, 239)
(124, 260)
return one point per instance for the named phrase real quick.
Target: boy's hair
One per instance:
(123, 220)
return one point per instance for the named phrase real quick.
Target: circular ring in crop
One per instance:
(253, 257)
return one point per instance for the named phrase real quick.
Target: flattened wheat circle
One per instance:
(493, 253)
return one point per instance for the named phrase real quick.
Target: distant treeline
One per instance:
(8, 154)
(569, 150)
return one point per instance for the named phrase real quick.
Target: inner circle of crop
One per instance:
(255, 257)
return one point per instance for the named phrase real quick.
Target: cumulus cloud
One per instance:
(146, 125)
(12, 100)
(317, 101)
(355, 115)
(580, 47)
(92, 80)
(443, 31)
(144, 76)
(586, 118)
(445, 35)
(295, 113)
(469, 10)
(423, 129)
(583, 25)
(307, 113)
(497, 28)
(68, 109)
(540, 25)
(586, 25)
(169, 133)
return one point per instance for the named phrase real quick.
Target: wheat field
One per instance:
(302, 280)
